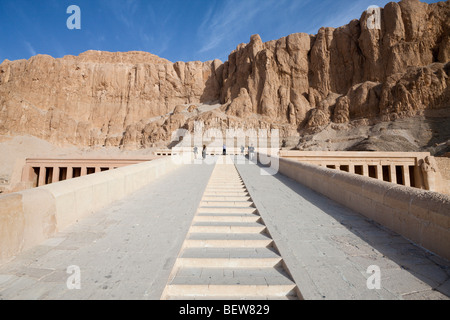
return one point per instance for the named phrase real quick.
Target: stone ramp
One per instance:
(130, 249)
(125, 251)
(329, 248)
(228, 252)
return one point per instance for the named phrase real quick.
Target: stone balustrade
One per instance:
(29, 217)
(419, 215)
(38, 172)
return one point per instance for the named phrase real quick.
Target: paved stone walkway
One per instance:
(125, 251)
(328, 248)
(128, 250)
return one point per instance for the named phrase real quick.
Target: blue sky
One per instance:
(178, 30)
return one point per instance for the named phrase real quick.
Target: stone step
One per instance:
(232, 291)
(226, 189)
(227, 218)
(232, 276)
(226, 194)
(228, 227)
(228, 182)
(229, 262)
(228, 252)
(229, 214)
(248, 210)
(229, 236)
(228, 243)
(226, 198)
(231, 281)
(238, 204)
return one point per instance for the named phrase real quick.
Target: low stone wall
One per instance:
(419, 215)
(29, 217)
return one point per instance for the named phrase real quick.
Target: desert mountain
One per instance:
(356, 84)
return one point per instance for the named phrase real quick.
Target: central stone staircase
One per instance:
(228, 252)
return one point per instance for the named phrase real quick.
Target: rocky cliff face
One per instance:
(299, 84)
(349, 72)
(91, 99)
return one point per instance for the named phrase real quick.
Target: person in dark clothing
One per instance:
(224, 150)
(204, 152)
(251, 152)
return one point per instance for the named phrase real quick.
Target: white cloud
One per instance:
(223, 23)
(30, 48)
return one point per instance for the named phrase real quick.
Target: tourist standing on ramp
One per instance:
(195, 152)
(251, 151)
(204, 152)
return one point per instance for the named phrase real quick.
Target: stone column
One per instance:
(69, 173)
(83, 171)
(351, 168)
(392, 173)
(97, 169)
(365, 170)
(406, 179)
(379, 172)
(55, 177)
(42, 173)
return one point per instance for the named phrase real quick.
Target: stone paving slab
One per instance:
(125, 251)
(328, 248)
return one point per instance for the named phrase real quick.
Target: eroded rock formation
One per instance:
(297, 83)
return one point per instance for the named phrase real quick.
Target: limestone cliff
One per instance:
(349, 72)
(91, 99)
(299, 84)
